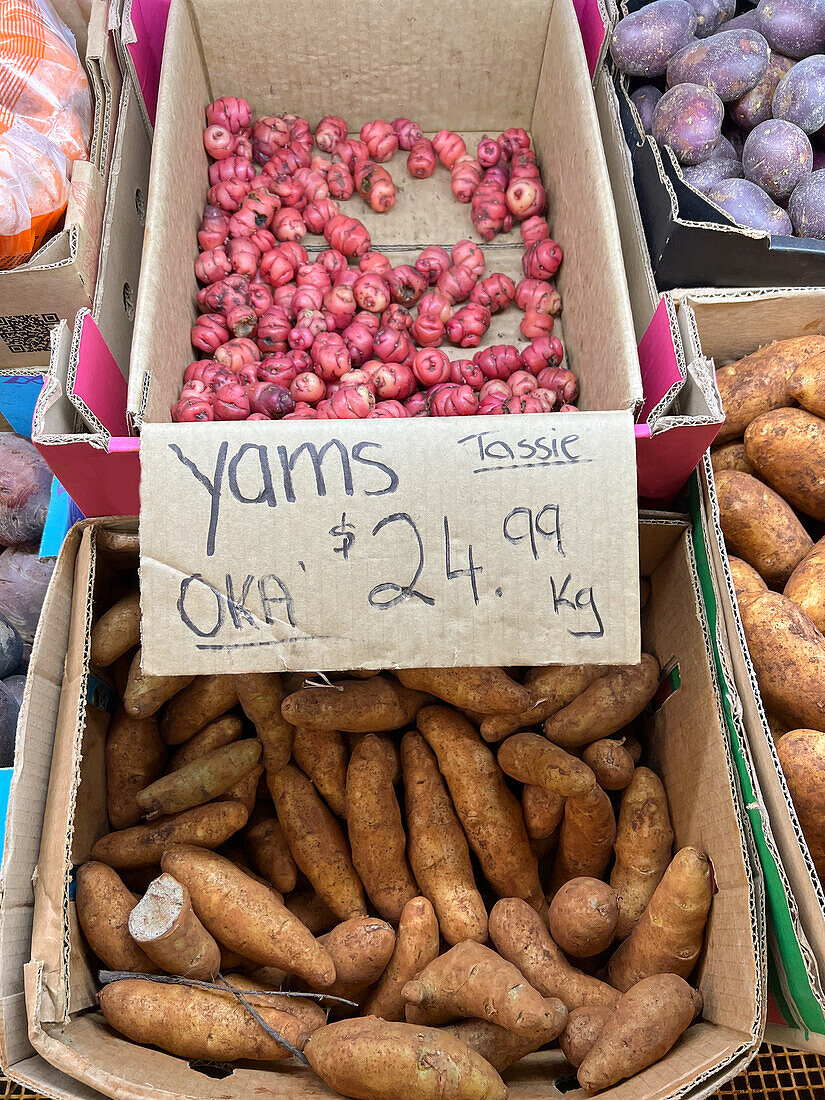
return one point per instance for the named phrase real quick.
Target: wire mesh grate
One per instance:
(775, 1074)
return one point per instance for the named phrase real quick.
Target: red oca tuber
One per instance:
(406, 285)
(209, 332)
(375, 185)
(541, 259)
(380, 139)
(525, 198)
(230, 112)
(371, 292)
(448, 147)
(435, 303)
(465, 176)
(340, 182)
(432, 262)
(535, 324)
(453, 399)
(428, 330)
(347, 235)
(353, 402)
(330, 132)
(431, 367)
(421, 161)
(545, 351)
(457, 282)
(467, 325)
(407, 132)
(488, 152)
(375, 261)
(534, 229)
(496, 292)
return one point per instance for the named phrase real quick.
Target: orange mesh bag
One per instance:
(42, 80)
(34, 186)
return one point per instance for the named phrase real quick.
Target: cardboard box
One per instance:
(682, 411)
(690, 240)
(70, 1051)
(60, 278)
(79, 423)
(549, 93)
(733, 324)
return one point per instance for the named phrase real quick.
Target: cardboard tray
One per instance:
(691, 241)
(731, 325)
(79, 424)
(682, 412)
(540, 46)
(60, 278)
(57, 1044)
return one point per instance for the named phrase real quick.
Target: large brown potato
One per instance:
(806, 586)
(802, 756)
(787, 448)
(760, 527)
(788, 654)
(731, 456)
(759, 382)
(807, 384)
(747, 584)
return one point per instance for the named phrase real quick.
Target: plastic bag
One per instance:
(42, 80)
(35, 189)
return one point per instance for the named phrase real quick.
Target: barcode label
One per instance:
(27, 333)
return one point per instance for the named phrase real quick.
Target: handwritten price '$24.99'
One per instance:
(521, 525)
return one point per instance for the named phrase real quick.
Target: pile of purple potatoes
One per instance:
(739, 99)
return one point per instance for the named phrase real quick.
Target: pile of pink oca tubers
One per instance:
(344, 334)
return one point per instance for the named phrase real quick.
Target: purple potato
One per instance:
(747, 21)
(725, 150)
(644, 41)
(711, 14)
(807, 207)
(707, 175)
(749, 206)
(688, 118)
(25, 490)
(730, 63)
(15, 685)
(24, 578)
(23, 667)
(646, 99)
(755, 106)
(11, 648)
(736, 138)
(9, 710)
(777, 157)
(795, 28)
(800, 94)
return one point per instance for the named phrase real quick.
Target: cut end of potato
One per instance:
(155, 914)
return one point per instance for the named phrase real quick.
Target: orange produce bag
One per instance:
(42, 80)
(35, 189)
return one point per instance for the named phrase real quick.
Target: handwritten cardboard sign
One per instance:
(367, 544)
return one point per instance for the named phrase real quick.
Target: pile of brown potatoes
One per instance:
(433, 853)
(769, 468)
